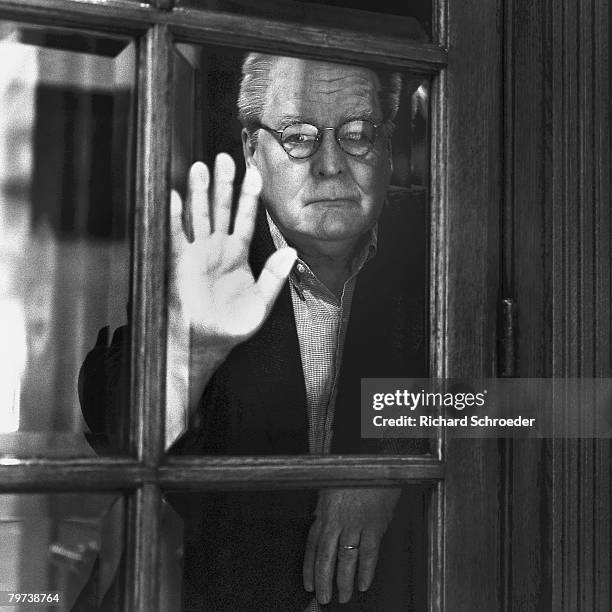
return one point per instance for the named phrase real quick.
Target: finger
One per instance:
(197, 209)
(325, 563)
(178, 238)
(309, 556)
(368, 557)
(347, 565)
(247, 205)
(274, 274)
(102, 339)
(222, 192)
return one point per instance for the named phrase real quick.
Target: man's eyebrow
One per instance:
(284, 120)
(363, 114)
(366, 113)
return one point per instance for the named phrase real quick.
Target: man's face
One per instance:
(331, 198)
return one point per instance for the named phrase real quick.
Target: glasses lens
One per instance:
(299, 139)
(357, 137)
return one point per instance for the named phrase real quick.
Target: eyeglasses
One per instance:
(356, 137)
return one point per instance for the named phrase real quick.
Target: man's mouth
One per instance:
(334, 201)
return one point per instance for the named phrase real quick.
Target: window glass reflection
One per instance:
(63, 542)
(65, 158)
(280, 373)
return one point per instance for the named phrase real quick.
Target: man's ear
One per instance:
(247, 149)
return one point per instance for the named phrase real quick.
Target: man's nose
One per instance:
(329, 160)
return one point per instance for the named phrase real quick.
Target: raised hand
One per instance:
(212, 282)
(215, 303)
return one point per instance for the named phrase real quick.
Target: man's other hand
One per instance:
(344, 540)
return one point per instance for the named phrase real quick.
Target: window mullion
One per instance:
(144, 537)
(295, 472)
(150, 245)
(125, 16)
(148, 310)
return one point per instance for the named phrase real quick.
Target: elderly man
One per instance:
(266, 366)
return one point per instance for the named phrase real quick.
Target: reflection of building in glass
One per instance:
(64, 155)
(18, 74)
(64, 272)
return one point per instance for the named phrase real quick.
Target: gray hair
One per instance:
(256, 70)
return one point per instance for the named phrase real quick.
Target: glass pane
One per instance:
(66, 148)
(392, 17)
(69, 544)
(249, 550)
(355, 207)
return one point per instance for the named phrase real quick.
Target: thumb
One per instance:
(275, 273)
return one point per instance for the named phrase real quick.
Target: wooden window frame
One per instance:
(464, 267)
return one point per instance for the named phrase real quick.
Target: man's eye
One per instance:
(298, 138)
(356, 136)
